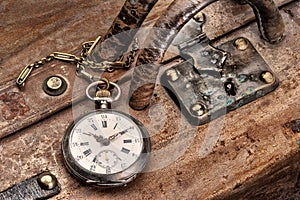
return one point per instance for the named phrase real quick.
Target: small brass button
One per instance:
(241, 44)
(172, 75)
(198, 109)
(47, 181)
(54, 85)
(267, 77)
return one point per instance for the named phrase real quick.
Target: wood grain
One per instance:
(254, 157)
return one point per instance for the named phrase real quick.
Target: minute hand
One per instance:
(112, 137)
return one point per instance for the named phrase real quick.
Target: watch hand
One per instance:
(112, 137)
(99, 138)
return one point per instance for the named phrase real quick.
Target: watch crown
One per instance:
(103, 93)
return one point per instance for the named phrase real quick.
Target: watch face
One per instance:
(104, 142)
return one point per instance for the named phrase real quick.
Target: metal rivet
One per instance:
(47, 181)
(198, 109)
(54, 85)
(267, 77)
(172, 74)
(241, 44)
(200, 17)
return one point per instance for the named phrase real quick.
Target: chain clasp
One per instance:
(23, 76)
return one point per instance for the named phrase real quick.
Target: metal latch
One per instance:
(215, 80)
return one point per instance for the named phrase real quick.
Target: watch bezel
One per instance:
(106, 180)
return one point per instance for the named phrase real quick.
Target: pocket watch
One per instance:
(106, 147)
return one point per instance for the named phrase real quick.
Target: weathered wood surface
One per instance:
(64, 28)
(254, 155)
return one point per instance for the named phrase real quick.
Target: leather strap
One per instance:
(29, 189)
(177, 15)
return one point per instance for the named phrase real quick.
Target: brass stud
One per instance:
(241, 44)
(47, 181)
(198, 109)
(172, 74)
(54, 85)
(199, 17)
(267, 77)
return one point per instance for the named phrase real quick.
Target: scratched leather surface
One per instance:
(130, 18)
(252, 144)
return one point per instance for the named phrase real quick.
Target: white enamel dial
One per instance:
(105, 142)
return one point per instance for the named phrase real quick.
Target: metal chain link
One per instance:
(81, 62)
(119, 63)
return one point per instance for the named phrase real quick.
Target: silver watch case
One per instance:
(106, 180)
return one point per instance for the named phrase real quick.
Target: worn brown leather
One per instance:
(269, 20)
(254, 158)
(177, 15)
(131, 17)
(166, 28)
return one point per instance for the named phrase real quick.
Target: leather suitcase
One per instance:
(255, 154)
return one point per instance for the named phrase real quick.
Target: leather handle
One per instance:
(131, 17)
(166, 28)
(270, 24)
(269, 20)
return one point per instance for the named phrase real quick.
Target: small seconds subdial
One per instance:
(105, 142)
(108, 159)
